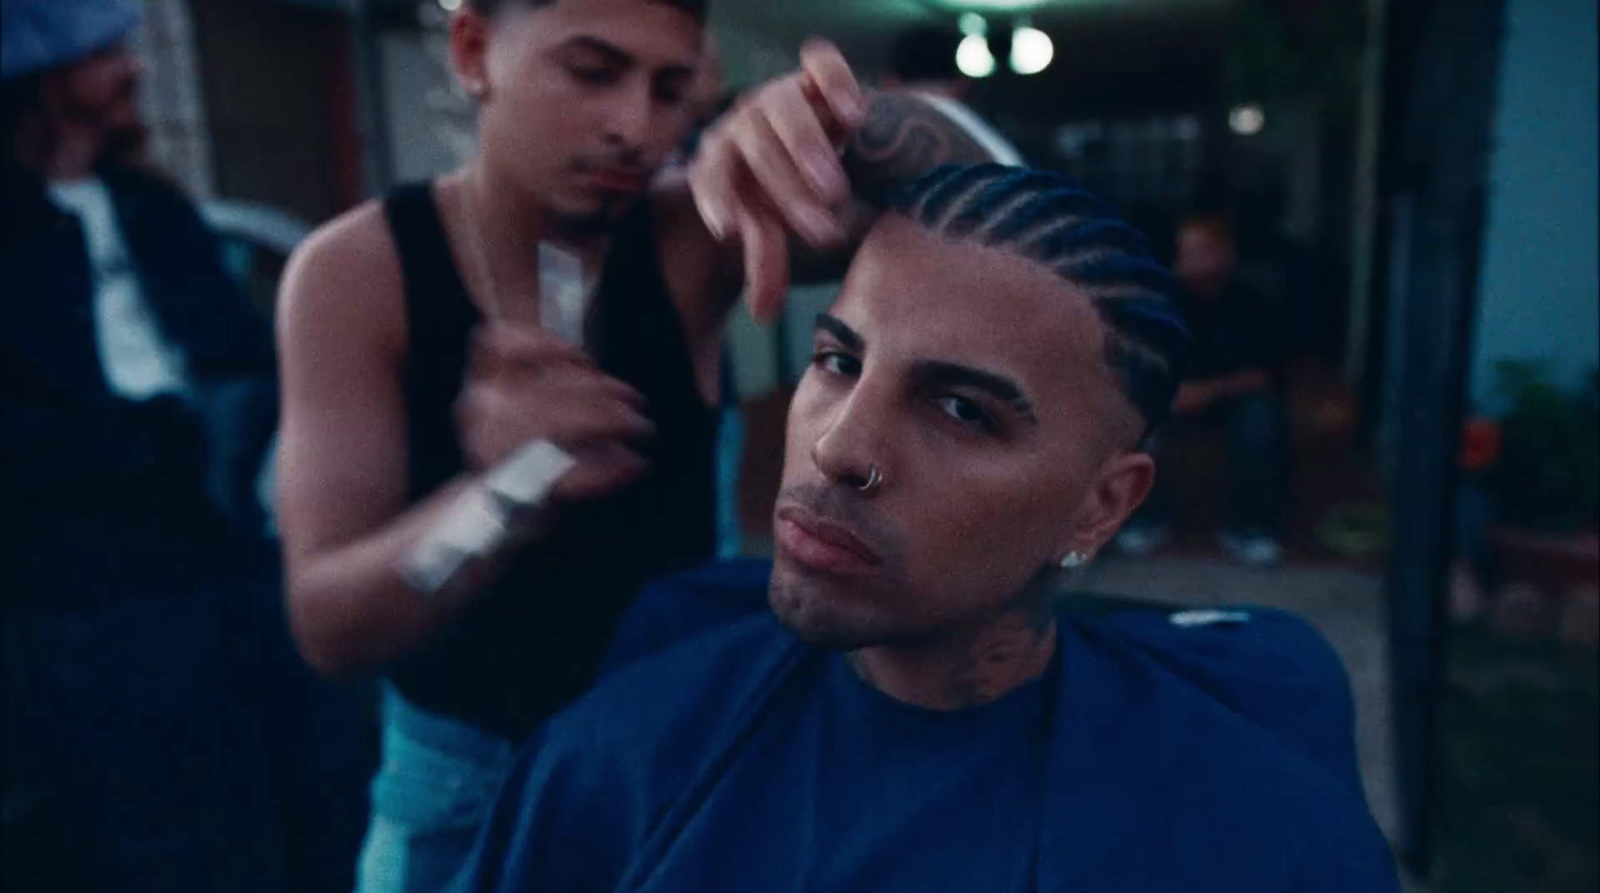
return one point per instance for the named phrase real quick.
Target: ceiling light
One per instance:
(991, 5)
(973, 57)
(1031, 50)
(449, 5)
(1247, 120)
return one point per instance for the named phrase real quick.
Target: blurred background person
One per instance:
(1236, 379)
(157, 727)
(923, 61)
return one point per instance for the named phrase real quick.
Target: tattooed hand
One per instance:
(773, 164)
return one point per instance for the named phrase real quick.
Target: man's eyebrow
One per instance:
(619, 57)
(613, 54)
(942, 374)
(836, 327)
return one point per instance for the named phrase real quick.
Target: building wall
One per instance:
(1540, 285)
(278, 81)
(431, 128)
(173, 105)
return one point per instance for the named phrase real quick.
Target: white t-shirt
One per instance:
(136, 358)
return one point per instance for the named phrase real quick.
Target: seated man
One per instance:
(1236, 378)
(914, 713)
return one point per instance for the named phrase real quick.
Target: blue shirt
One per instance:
(894, 780)
(1152, 757)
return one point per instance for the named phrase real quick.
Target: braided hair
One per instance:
(1050, 220)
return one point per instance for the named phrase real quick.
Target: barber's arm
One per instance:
(1196, 396)
(787, 183)
(351, 530)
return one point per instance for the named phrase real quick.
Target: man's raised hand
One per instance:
(526, 384)
(772, 165)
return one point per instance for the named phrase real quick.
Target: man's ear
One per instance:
(469, 50)
(1121, 486)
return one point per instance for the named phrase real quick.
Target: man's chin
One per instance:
(829, 620)
(126, 143)
(589, 216)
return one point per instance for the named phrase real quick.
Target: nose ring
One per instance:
(874, 478)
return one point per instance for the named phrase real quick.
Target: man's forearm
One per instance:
(355, 608)
(1245, 381)
(902, 139)
(350, 607)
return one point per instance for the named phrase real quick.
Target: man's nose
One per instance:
(628, 118)
(853, 447)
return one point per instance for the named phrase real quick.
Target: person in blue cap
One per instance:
(157, 724)
(916, 711)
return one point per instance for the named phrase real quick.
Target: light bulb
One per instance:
(1247, 120)
(1031, 50)
(973, 57)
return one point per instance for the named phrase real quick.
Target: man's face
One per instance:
(585, 98)
(1205, 260)
(977, 382)
(99, 93)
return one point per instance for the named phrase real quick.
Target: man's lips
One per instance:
(816, 541)
(618, 181)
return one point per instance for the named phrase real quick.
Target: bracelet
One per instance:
(480, 520)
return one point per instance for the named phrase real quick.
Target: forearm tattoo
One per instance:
(902, 139)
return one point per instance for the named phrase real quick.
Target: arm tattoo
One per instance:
(902, 139)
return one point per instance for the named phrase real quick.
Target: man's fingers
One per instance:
(601, 470)
(588, 385)
(795, 121)
(501, 347)
(830, 75)
(713, 181)
(774, 170)
(766, 263)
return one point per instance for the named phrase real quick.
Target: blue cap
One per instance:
(40, 34)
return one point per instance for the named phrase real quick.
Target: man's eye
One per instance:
(966, 412)
(835, 363)
(672, 95)
(593, 76)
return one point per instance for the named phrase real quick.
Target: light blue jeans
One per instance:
(431, 796)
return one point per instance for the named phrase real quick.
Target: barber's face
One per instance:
(100, 93)
(581, 99)
(1205, 261)
(977, 383)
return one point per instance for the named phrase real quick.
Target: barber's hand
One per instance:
(771, 165)
(525, 384)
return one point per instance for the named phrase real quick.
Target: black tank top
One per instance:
(533, 643)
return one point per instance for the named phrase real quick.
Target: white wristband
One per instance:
(477, 523)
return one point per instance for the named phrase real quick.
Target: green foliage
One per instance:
(1548, 476)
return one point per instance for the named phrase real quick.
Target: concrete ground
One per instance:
(1345, 604)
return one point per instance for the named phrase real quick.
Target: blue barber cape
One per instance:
(724, 755)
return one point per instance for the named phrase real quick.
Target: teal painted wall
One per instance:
(1540, 285)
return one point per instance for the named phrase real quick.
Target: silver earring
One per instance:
(1074, 560)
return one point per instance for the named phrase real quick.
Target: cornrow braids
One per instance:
(1050, 220)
